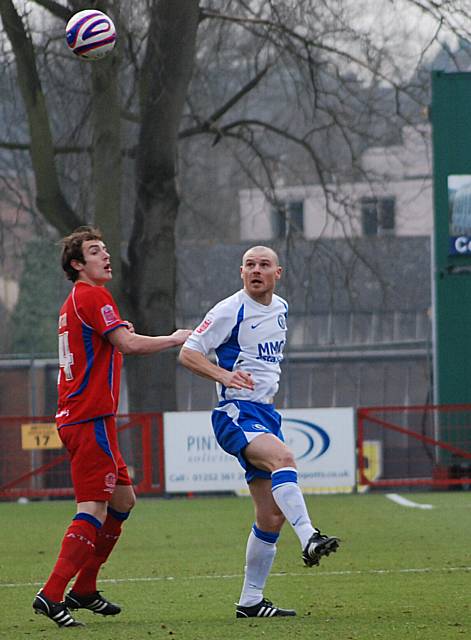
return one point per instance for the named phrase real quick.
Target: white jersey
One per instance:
(245, 335)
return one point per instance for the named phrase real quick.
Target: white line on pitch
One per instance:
(404, 502)
(324, 574)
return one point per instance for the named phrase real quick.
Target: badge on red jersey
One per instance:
(109, 315)
(110, 482)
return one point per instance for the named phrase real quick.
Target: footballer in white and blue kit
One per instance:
(247, 332)
(250, 336)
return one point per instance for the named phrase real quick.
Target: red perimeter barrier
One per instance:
(426, 445)
(32, 464)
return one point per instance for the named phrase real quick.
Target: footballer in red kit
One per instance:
(92, 339)
(90, 366)
(88, 390)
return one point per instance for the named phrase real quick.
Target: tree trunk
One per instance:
(50, 199)
(167, 70)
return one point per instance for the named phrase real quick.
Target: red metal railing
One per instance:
(426, 445)
(37, 473)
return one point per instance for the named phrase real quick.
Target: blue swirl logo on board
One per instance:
(307, 440)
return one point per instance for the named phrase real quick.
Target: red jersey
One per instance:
(90, 366)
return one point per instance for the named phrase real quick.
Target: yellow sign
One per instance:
(40, 435)
(372, 461)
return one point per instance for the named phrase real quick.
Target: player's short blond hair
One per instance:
(260, 247)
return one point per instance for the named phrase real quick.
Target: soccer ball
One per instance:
(90, 34)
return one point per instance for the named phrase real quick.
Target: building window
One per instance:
(288, 219)
(378, 215)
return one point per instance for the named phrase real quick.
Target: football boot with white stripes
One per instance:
(94, 602)
(264, 609)
(56, 611)
(318, 546)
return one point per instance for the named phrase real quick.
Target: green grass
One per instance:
(400, 573)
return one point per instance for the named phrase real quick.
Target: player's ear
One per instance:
(278, 272)
(241, 270)
(77, 265)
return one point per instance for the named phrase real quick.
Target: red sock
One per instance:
(78, 545)
(106, 539)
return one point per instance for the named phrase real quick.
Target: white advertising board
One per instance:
(322, 441)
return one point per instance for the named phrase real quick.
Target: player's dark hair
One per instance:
(72, 248)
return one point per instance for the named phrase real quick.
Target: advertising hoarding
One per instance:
(322, 440)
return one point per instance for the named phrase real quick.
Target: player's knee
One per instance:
(129, 503)
(285, 459)
(123, 503)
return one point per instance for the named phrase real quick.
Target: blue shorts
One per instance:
(238, 422)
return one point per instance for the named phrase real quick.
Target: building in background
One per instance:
(395, 199)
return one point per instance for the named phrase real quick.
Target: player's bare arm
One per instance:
(129, 342)
(198, 363)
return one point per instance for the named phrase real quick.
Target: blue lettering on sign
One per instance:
(459, 245)
(201, 443)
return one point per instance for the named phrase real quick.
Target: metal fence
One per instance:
(34, 464)
(415, 446)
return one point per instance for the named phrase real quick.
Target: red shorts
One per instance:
(96, 462)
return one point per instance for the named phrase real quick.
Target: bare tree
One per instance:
(290, 88)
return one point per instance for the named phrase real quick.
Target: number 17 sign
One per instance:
(40, 435)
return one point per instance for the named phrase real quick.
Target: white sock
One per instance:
(290, 500)
(260, 553)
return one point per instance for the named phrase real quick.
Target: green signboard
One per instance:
(451, 125)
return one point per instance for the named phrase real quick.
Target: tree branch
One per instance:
(306, 43)
(58, 10)
(25, 146)
(207, 124)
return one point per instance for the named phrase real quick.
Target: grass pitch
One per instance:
(401, 573)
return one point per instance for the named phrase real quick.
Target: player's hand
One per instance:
(239, 380)
(129, 326)
(180, 335)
